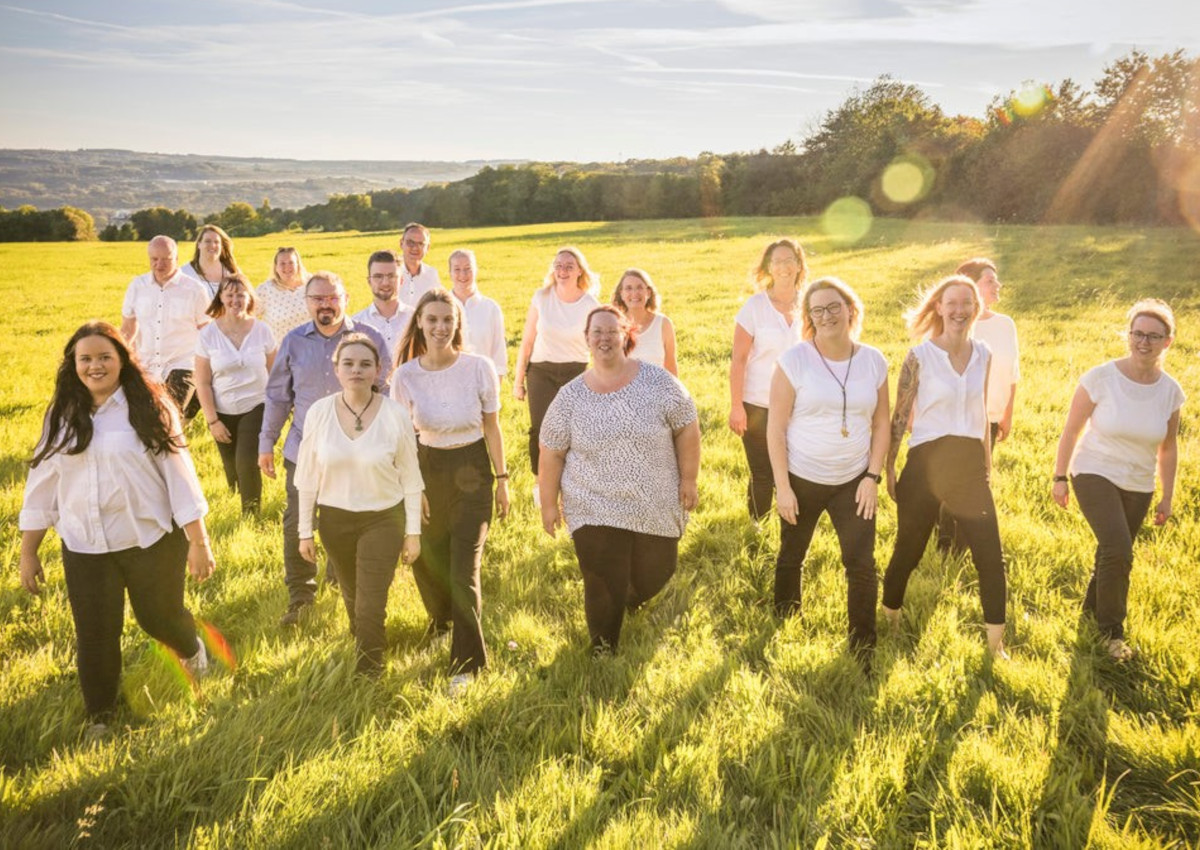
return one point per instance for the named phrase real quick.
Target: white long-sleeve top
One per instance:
(371, 473)
(116, 494)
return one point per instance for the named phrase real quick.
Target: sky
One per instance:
(577, 80)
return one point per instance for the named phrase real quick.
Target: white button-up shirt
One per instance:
(483, 332)
(412, 287)
(390, 329)
(116, 494)
(169, 318)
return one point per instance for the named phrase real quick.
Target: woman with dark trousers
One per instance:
(112, 475)
(234, 355)
(621, 444)
(454, 399)
(358, 463)
(553, 350)
(767, 325)
(828, 432)
(1130, 409)
(942, 392)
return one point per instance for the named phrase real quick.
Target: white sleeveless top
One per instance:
(949, 404)
(649, 347)
(560, 327)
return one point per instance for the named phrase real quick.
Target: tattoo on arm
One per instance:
(906, 395)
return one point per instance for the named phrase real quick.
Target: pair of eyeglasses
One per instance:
(831, 310)
(411, 243)
(324, 299)
(1142, 336)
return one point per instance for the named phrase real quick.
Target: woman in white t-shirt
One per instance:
(358, 462)
(454, 400)
(942, 391)
(637, 298)
(767, 325)
(553, 350)
(1128, 413)
(234, 355)
(827, 432)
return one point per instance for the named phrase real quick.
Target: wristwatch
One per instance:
(874, 476)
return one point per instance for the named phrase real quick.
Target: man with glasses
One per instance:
(386, 313)
(302, 374)
(416, 278)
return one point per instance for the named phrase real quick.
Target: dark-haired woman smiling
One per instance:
(112, 475)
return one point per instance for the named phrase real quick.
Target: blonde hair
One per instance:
(923, 320)
(644, 277)
(589, 281)
(849, 297)
(1154, 308)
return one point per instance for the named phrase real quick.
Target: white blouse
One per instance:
(771, 335)
(1000, 333)
(816, 449)
(1124, 431)
(483, 331)
(239, 375)
(649, 347)
(560, 327)
(374, 472)
(116, 494)
(949, 404)
(447, 405)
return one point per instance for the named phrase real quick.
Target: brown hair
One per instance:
(216, 308)
(762, 272)
(623, 323)
(644, 277)
(849, 297)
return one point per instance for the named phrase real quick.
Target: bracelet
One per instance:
(212, 422)
(1060, 479)
(874, 476)
(200, 541)
(499, 476)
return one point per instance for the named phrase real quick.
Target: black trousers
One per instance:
(365, 547)
(949, 541)
(621, 570)
(949, 471)
(762, 480)
(543, 380)
(458, 485)
(181, 385)
(96, 588)
(240, 457)
(1115, 515)
(857, 539)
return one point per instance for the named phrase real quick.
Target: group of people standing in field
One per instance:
(395, 453)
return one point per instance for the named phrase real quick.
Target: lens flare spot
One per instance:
(218, 647)
(1031, 99)
(906, 180)
(847, 220)
(1188, 188)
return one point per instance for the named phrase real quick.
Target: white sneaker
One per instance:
(197, 665)
(96, 732)
(459, 684)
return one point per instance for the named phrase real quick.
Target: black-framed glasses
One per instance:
(831, 310)
(325, 299)
(1142, 336)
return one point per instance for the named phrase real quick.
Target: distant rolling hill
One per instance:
(104, 182)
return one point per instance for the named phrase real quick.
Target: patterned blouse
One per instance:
(621, 470)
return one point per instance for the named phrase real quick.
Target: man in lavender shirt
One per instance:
(302, 374)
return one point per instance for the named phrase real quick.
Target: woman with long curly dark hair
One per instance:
(112, 475)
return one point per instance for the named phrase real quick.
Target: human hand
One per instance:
(737, 419)
(689, 496)
(308, 549)
(200, 559)
(32, 575)
(1061, 493)
(411, 550)
(1162, 512)
(424, 509)
(867, 497)
(786, 504)
(502, 502)
(219, 432)
(551, 518)
(518, 391)
(266, 462)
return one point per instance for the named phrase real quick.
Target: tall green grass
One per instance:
(716, 725)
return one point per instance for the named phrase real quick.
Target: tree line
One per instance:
(1126, 151)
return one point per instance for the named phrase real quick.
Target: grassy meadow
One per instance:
(716, 725)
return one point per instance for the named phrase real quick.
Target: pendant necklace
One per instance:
(841, 383)
(357, 415)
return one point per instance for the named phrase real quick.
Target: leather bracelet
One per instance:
(212, 422)
(1061, 479)
(499, 475)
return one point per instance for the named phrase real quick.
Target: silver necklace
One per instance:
(840, 382)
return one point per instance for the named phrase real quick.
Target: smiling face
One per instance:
(462, 272)
(357, 367)
(326, 303)
(287, 265)
(829, 313)
(163, 260)
(634, 292)
(98, 366)
(989, 287)
(566, 269)
(414, 243)
(234, 298)
(958, 308)
(784, 267)
(1148, 339)
(438, 322)
(210, 245)
(383, 278)
(605, 338)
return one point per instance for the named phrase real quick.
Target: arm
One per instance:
(525, 352)
(867, 495)
(1168, 463)
(31, 563)
(208, 402)
(987, 437)
(129, 328)
(499, 352)
(409, 469)
(550, 470)
(670, 363)
(494, 439)
(1007, 417)
(737, 378)
(1081, 410)
(200, 557)
(279, 400)
(779, 414)
(906, 397)
(687, 456)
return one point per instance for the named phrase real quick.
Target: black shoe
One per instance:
(291, 617)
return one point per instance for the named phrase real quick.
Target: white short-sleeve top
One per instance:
(649, 347)
(949, 404)
(169, 318)
(239, 374)
(771, 335)
(281, 308)
(447, 405)
(816, 449)
(560, 327)
(1124, 431)
(1000, 334)
(483, 330)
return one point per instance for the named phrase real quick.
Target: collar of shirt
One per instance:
(116, 401)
